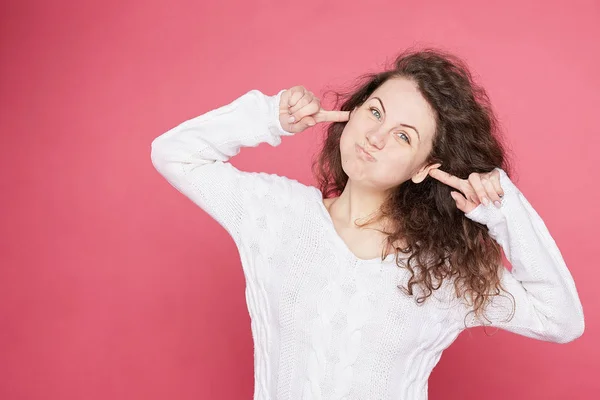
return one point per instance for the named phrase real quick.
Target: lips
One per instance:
(363, 153)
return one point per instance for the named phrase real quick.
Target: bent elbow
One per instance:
(575, 331)
(159, 156)
(570, 330)
(155, 155)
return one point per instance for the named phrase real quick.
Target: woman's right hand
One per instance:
(306, 109)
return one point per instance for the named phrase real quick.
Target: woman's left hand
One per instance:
(478, 188)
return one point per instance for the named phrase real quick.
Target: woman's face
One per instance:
(395, 125)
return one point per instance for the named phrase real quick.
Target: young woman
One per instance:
(355, 288)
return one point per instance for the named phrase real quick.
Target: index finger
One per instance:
(332, 116)
(446, 178)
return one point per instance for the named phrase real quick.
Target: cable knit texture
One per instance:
(325, 323)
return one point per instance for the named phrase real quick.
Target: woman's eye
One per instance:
(373, 108)
(406, 136)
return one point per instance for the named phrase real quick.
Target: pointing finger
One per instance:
(446, 178)
(332, 116)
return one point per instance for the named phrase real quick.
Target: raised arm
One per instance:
(193, 156)
(547, 305)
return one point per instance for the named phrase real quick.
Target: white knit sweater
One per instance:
(326, 324)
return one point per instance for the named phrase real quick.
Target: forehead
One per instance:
(404, 104)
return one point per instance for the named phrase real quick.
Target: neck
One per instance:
(358, 204)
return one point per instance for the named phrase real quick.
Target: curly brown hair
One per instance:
(467, 139)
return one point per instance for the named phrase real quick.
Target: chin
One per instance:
(357, 172)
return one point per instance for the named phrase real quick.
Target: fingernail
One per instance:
(485, 201)
(311, 123)
(291, 119)
(497, 204)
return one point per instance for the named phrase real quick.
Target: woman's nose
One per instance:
(376, 139)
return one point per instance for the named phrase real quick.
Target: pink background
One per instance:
(115, 286)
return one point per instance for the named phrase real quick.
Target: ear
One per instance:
(424, 172)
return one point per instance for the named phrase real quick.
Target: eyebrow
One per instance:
(408, 126)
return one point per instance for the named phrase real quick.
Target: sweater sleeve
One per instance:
(193, 156)
(544, 298)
